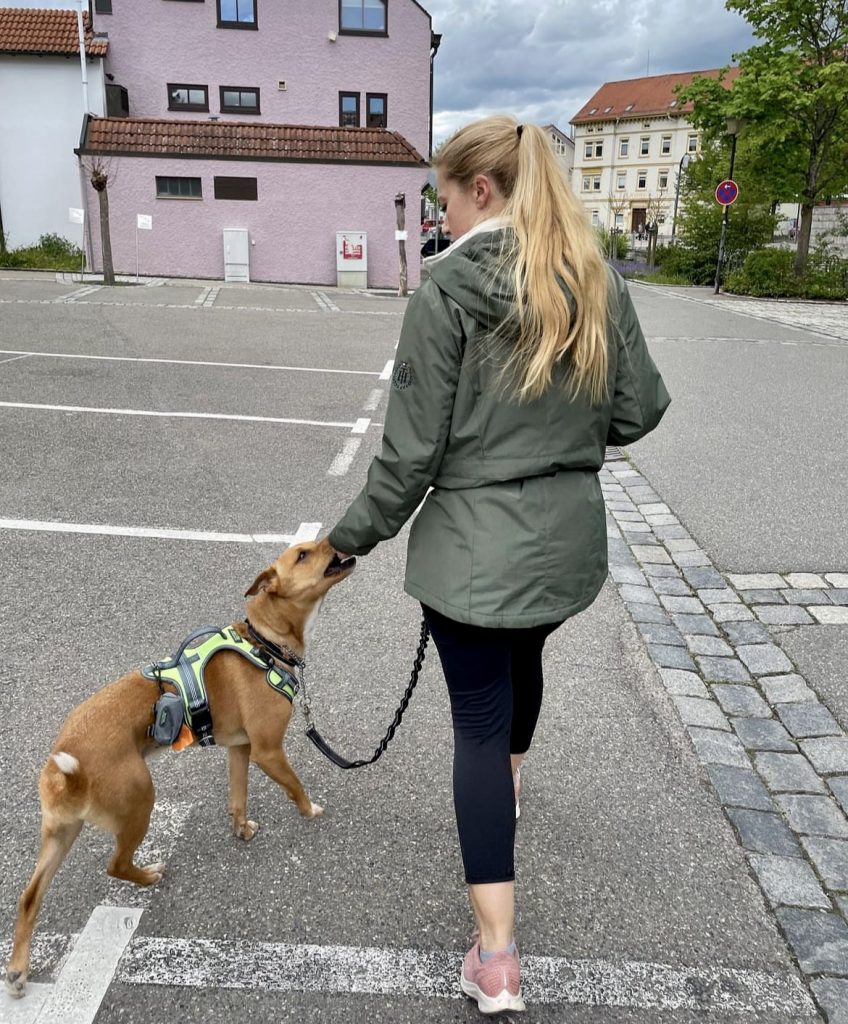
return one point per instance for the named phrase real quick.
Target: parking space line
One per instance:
(306, 531)
(373, 400)
(202, 297)
(25, 355)
(187, 362)
(342, 462)
(184, 415)
(88, 972)
(387, 370)
(420, 974)
(361, 426)
(328, 302)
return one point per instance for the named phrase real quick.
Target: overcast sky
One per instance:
(542, 59)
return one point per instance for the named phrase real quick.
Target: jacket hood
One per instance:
(475, 275)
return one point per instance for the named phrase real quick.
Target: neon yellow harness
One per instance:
(186, 668)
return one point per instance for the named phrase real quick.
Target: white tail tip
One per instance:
(66, 763)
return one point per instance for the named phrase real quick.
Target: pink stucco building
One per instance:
(284, 122)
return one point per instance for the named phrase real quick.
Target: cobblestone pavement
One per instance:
(824, 318)
(777, 758)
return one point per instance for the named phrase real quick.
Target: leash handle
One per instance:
(341, 762)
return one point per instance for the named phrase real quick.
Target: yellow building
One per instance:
(630, 141)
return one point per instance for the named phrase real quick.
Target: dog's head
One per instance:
(302, 574)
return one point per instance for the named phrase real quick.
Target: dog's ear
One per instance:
(266, 580)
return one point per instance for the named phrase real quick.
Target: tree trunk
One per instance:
(804, 231)
(106, 237)
(400, 210)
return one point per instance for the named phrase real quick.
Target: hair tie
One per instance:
(519, 129)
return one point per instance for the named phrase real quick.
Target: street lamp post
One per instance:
(732, 131)
(681, 167)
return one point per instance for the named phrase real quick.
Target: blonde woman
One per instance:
(520, 358)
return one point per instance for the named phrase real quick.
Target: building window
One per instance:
(660, 218)
(599, 149)
(349, 109)
(693, 143)
(238, 100)
(619, 219)
(665, 148)
(621, 181)
(596, 218)
(237, 13)
(188, 97)
(644, 145)
(102, 6)
(587, 150)
(662, 179)
(558, 144)
(596, 183)
(624, 147)
(364, 16)
(587, 182)
(178, 188)
(375, 110)
(236, 188)
(642, 179)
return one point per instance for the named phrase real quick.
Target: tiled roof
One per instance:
(41, 31)
(636, 97)
(247, 141)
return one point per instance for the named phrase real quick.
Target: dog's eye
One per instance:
(301, 556)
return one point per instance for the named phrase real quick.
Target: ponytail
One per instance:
(553, 245)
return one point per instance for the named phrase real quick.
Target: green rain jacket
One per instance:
(513, 532)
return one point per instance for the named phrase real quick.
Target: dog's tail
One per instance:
(66, 763)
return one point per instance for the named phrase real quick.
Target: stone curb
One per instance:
(777, 758)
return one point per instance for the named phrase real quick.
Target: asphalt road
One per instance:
(630, 878)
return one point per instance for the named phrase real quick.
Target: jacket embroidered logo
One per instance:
(402, 377)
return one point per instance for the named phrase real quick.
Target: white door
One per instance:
(236, 254)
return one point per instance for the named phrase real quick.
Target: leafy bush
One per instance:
(52, 252)
(618, 250)
(770, 272)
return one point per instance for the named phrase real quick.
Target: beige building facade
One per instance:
(630, 141)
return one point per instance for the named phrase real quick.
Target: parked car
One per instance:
(429, 246)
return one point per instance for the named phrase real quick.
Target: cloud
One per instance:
(542, 59)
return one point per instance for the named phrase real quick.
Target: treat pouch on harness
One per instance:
(189, 705)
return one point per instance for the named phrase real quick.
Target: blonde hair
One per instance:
(553, 244)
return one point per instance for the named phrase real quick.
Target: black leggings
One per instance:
(494, 678)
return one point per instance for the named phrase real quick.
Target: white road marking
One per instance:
(343, 970)
(87, 974)
(211, 297)
(187, 362)
(306, 531)
(342, 462)
(191, 306)
(26, 1010)
(202, 297)
(361, 426)
(180, 415)
(373, 400)
(13, 358)
(328, 302)
(387, 370)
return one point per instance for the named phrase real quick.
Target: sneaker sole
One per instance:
(492, 1004)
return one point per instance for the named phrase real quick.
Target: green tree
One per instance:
(792, 94)
(750, 225)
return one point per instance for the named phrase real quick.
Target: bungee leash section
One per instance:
(327, 750)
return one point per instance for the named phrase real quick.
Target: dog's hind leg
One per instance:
(276, 766)
(129, 831)
(239, 759)
(56, 840)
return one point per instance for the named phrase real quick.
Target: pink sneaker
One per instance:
(495, 984)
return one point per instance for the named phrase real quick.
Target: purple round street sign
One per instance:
(727, 192)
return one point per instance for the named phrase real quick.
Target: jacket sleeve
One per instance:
(640, 396)
(416, 428)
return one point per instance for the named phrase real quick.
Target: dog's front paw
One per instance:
(316, 810)
(247, 830)
(16, 983)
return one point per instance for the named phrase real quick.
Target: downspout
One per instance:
(435, 42)
(81, 32)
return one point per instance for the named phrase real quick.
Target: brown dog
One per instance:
(97, 771)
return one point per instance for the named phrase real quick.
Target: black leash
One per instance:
(342, 762)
